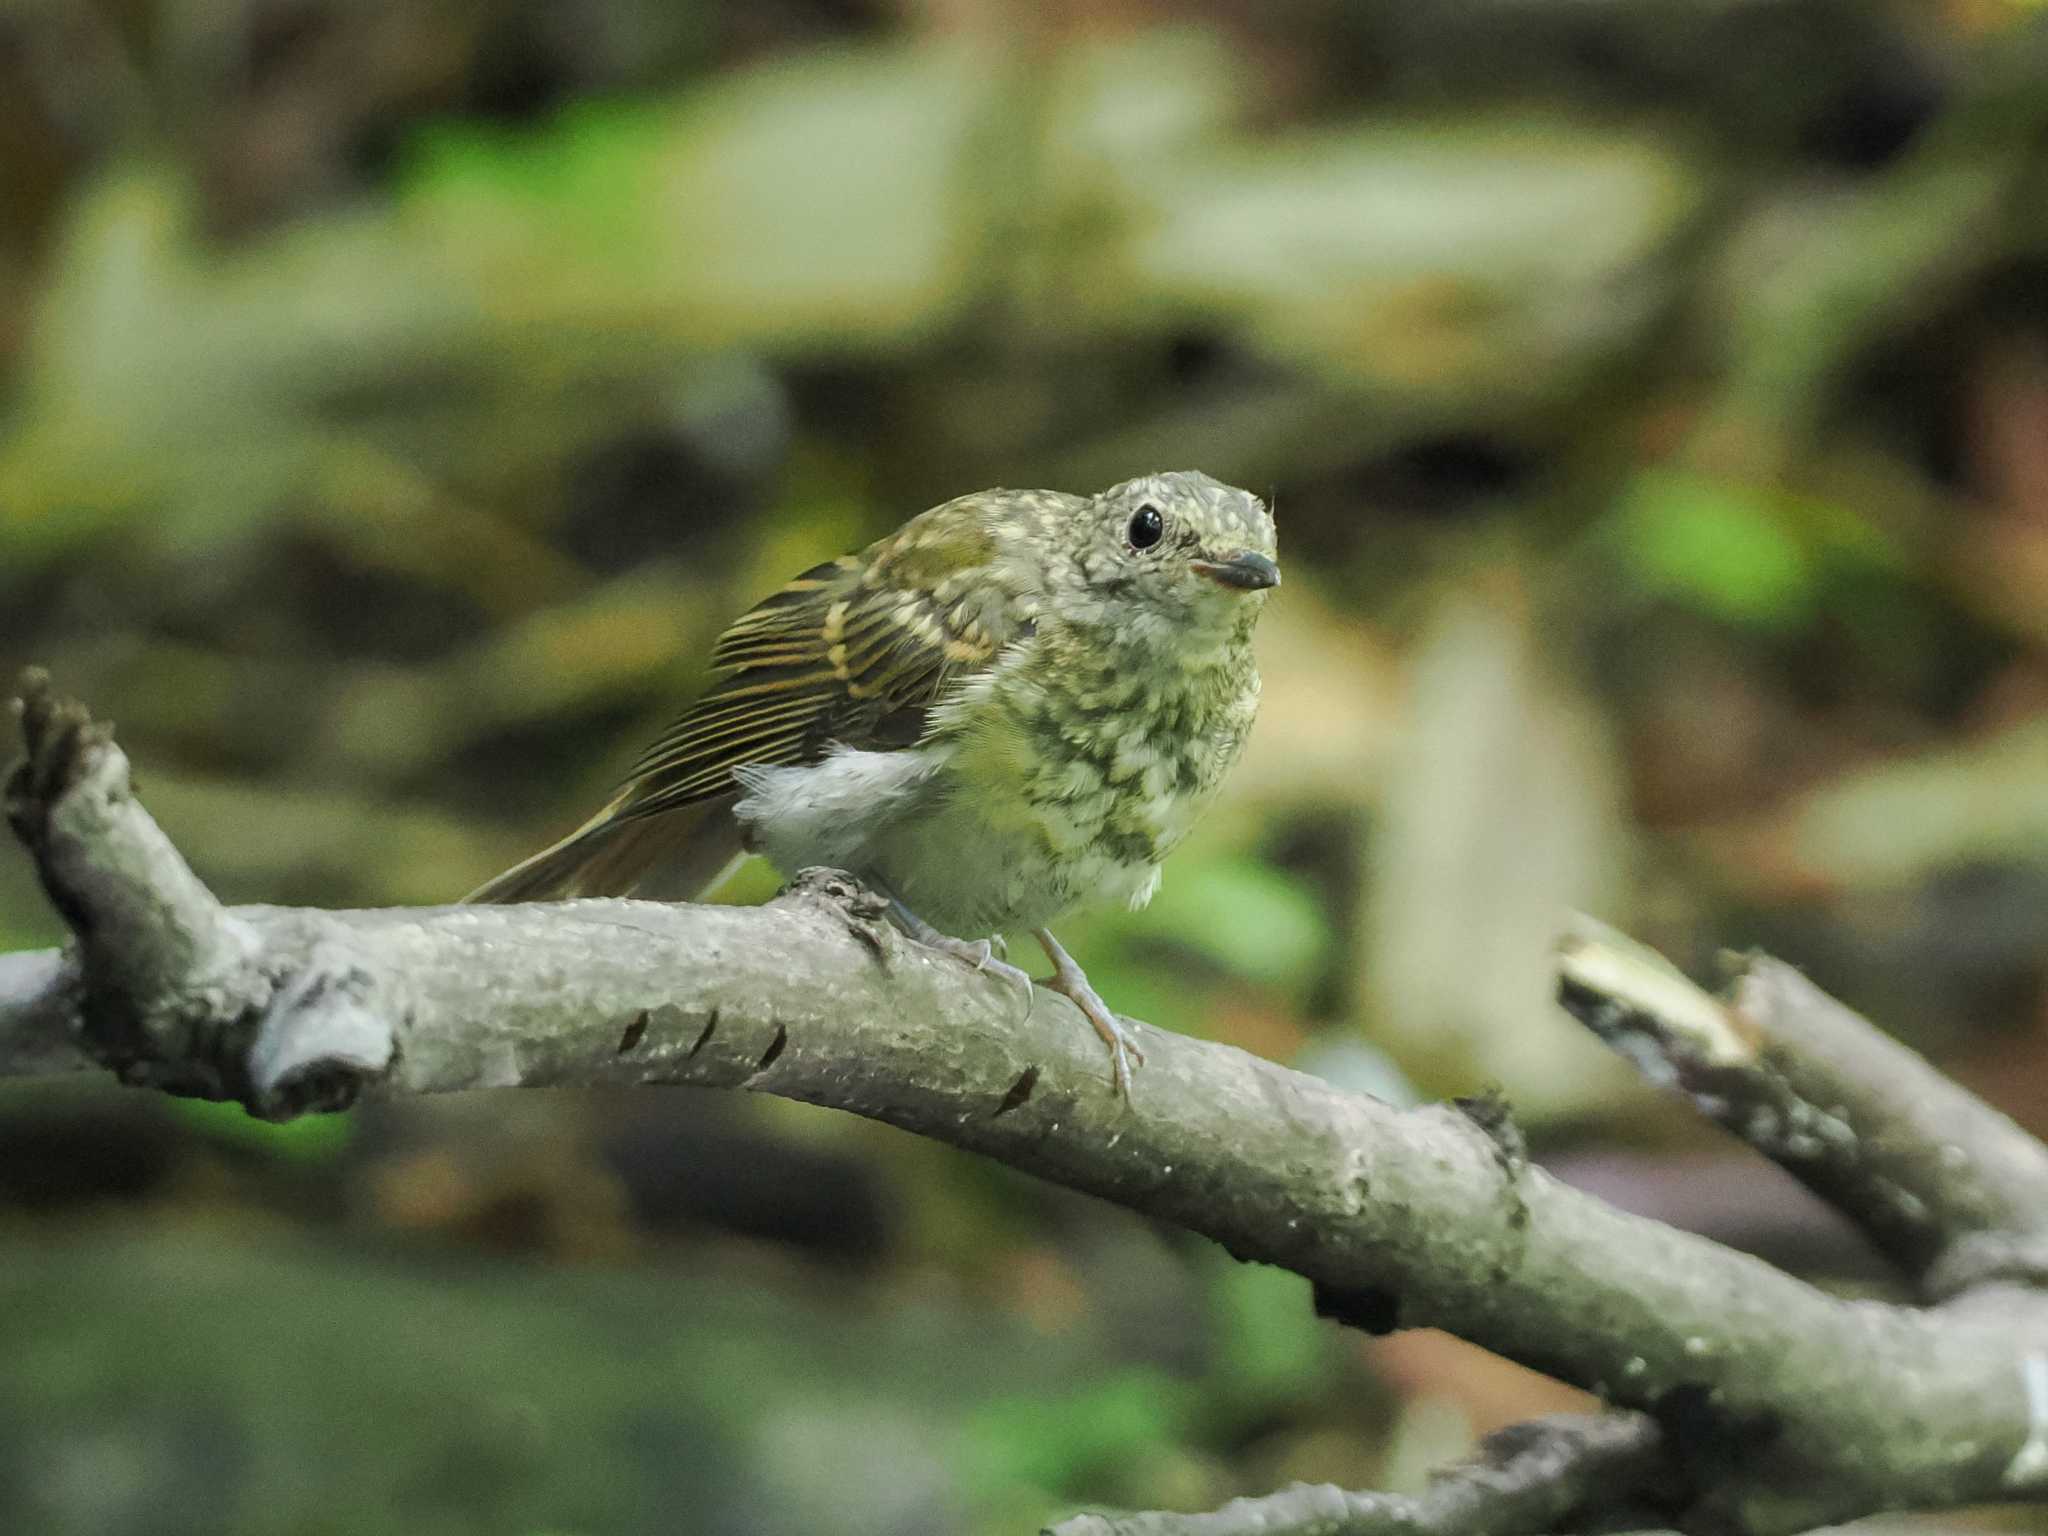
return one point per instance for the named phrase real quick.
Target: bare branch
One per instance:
(1545, 1475)
(159, 952)
(1942, 1166)
(1786, 1407)
(1950, 1188)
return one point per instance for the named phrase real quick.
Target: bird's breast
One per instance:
(1041, 789)
(1108, 760)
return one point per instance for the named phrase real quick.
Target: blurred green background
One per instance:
(396, 398)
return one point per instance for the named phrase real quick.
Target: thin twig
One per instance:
(1544, 1475)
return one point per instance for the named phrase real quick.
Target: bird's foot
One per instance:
(981, 954)
(1071, 982)
(985, 955)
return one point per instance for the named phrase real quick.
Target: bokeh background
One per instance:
(396, 398)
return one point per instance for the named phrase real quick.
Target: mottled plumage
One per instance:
(1016, 703)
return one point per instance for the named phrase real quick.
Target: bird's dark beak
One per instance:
(1247, 570)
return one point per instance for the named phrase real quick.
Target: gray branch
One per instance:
(1544, 1475)
(1948, 1187)
(1784, 1407)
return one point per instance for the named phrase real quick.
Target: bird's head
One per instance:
(1177, 551)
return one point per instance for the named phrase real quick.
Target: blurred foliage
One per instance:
(396, 398)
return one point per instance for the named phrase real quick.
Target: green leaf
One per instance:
(588, 172)
(309, 1138)
(821, 200)
(1718, 545)
(1249, 918)
(1046, 1441)
(1271, 1348)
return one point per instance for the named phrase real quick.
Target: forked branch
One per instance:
(1780, 1406)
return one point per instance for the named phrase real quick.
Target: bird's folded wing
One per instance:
(854, 651)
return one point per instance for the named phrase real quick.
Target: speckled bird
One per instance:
(1017, 703)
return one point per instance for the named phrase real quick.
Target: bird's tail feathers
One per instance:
(674, 855)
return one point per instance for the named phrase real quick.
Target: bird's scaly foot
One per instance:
(979, 953)
(1071, 982)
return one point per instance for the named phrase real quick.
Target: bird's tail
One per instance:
(676, 855)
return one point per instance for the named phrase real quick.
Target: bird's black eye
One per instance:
(1147, 527)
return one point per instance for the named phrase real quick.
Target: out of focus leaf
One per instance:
(1047, 1440)
(817, 199)
(586, 169)
(1808, 278)
(1915, 818)
(170, 1366)
(1330, 711)
(1120, 104)
(1247, 917)
(1502, 812)
(1270, 1345)
(611, 641)
(309, 1138)
(257, 843)
(513, 283)
(1717, 545)
(1441, 258)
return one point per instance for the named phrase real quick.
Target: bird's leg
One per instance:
(979, 953)
(1071, 982)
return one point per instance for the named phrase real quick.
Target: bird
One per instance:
(1017, 703)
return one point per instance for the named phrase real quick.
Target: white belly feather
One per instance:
(969, 862)
(828, 812)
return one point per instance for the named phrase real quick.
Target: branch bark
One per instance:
(1545, 1475)
(1950, 1189)
(1783, 1406)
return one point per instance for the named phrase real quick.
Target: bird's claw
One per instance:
(1071, 982)
(1123, 1050)
(1016, 975)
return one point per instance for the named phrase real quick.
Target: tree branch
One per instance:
(1948, 1187)
(1785, 1406)
(1545, 1475)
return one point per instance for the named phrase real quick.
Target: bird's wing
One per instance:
(856, 650)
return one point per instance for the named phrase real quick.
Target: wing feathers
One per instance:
(835, 655)
(856, 650)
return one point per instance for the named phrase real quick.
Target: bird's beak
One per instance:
(1247, 570)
